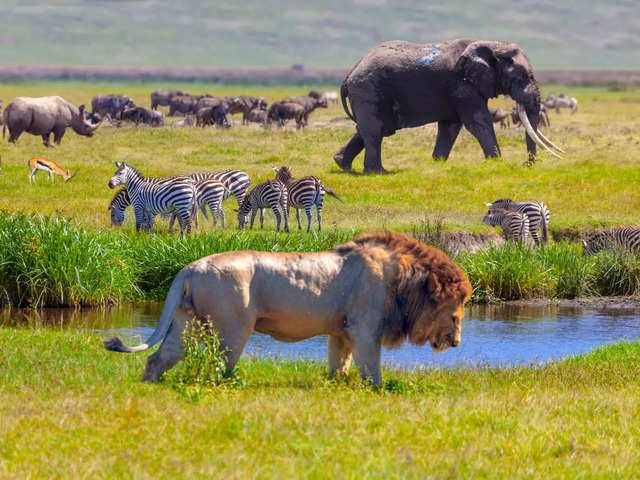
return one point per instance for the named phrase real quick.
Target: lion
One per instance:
(378, 289)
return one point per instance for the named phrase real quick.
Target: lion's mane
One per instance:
(425, 278)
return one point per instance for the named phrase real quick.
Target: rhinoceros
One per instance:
(43, 116)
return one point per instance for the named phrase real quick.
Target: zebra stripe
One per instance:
(304, 193)
(625, 237)
(266, 194)
(150, 198)
(515, 225)
(537, 212)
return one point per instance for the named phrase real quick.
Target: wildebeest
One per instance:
(331, 96)
(244, 104)
(142, 115)
(189, 120)
(215, 115)
(163, 97)
(500, 116)
(309, 104)
(281, 111)
(43, 116)
(112, 104)
(257, 115)
(561, 101)
(183, 104)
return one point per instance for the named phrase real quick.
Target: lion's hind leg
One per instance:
(171, 350)
(339, 352)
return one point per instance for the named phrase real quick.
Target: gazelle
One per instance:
(49, 166)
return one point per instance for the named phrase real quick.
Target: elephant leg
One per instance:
(344, 158)
(480, 124)
(373, 153)
(447, 134)
(339, 355)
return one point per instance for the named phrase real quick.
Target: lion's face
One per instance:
(446, 326)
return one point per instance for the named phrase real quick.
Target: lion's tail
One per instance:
(179, 296)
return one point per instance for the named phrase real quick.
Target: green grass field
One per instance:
(70, 409)
(595, 184)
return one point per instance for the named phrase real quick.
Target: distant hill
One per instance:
(567, 34)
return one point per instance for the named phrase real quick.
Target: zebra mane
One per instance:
(136, 172)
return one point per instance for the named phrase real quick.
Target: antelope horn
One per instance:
(531, 132)
(71, 176)
(549, 142)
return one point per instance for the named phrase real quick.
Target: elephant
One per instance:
(400, 84)
(163, 97)
(43, 116)
(111, 104)
(500, 116)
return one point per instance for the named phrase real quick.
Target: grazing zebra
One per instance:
(304, 193)
(625, 237)
(266, 194)
(515, 225)
(118, 205)
(149, 199)
(537, 212)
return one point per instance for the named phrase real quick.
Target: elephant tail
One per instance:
(344, 92)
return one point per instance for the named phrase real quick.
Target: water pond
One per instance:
(491, 335)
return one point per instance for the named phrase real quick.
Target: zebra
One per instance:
(235, 182)
(266, 194)
(118, 205)
(537, 212)
(304, 193)
(625, 237)
(150, 198)
(515, 225)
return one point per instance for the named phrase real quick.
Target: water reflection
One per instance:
(491, 335)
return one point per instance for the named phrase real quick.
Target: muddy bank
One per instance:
(622, 304)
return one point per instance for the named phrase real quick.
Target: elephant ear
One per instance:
(477, 65)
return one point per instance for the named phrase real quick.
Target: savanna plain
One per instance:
(70, 409)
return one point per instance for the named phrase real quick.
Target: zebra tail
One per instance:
(332, 193)
(545, 232)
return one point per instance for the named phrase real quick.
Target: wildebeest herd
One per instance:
(53, 115)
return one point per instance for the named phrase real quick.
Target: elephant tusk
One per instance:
(549, 142)
(531, 132)
(488, 204)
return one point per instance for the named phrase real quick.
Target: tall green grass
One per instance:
(47, 261)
